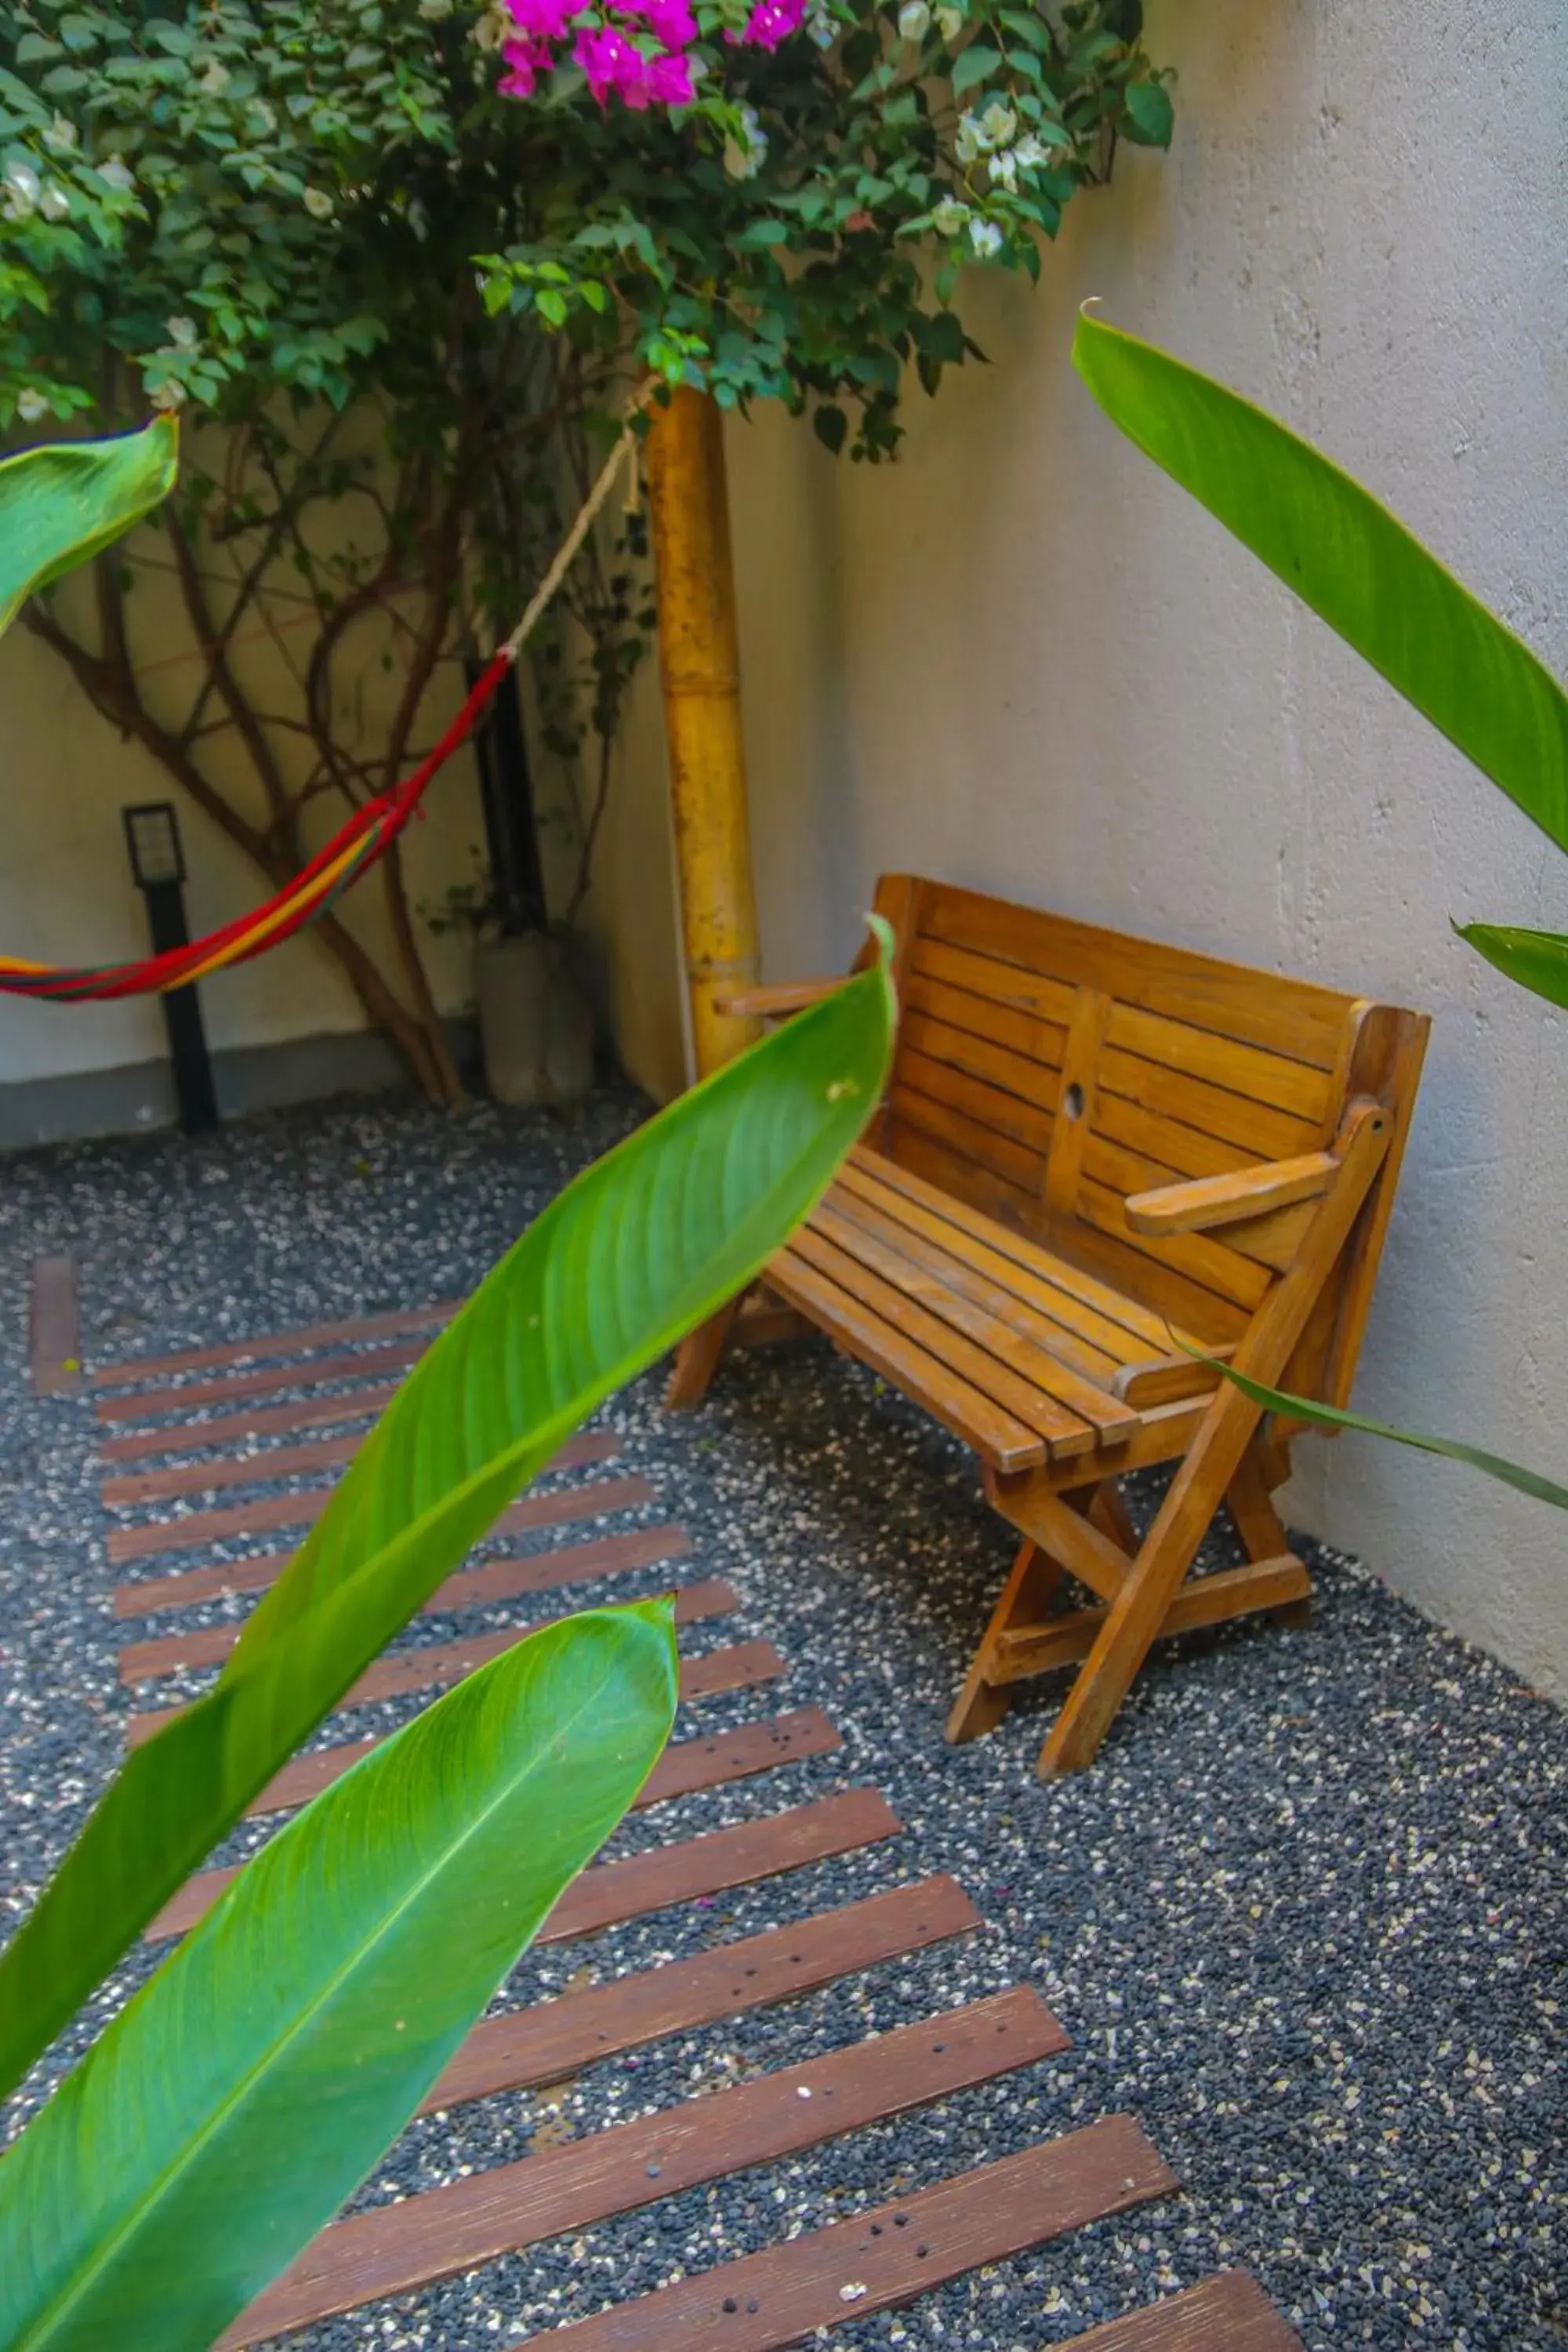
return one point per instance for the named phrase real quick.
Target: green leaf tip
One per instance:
(63, 502)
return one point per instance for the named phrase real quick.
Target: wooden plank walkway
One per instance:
(888, 2256)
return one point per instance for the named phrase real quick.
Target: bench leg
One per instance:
(981, 1705)
(1258, 1523)
(698, 1358)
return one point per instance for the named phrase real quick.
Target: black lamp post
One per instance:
(157, 862)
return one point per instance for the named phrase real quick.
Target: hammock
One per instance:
(352, 850)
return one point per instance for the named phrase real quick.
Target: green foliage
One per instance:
(295, 193)
(1360, 570)
(234, 2105)
(771, 243)
(61, 504)
(630, 1256)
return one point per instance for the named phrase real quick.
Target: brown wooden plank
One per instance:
(1255, 1129)
(993, 1325)
(557, 2039)
(366, 1364)
(686, 1766)
(275, 1344)
(1207, 1265)
(1272, 1078)
(996, 1436)
(641, 2162)
(295, 1462)
(1286, 1017)
(735, 1668)
(666, 1876)
(442, 1662)
(1227, 2314)
(499, 1580)
(1097, 1242)
(886, 2257)
(931, 1028)
(151, 1538)
(251, 1421)
(54, 1326)
(1034, 994)
(471, 1589)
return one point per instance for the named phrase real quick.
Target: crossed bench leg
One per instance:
(1088, 1534)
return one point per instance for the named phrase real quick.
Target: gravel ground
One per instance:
(1307, 1918)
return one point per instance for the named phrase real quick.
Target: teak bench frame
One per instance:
(1179, 1160)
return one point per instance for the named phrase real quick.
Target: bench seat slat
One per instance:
(924, 1278)
(1055, 1320)
(1149, 1331)
(1063, 1430)
(996, 1436)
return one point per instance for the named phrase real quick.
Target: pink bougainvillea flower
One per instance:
(770, 22)
(525, 61)
(611, 62)
(541, 20)
(669, 21)
(671, 82)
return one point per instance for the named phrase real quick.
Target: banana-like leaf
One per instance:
(1351, 560)
(1536, 959)
(638, 1250)
(235, 2104)
(65, 501)
(1329, 1416)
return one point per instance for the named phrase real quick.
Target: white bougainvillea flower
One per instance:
(31, 406)
(60, 138)
(216, 80)
(914, 20)
(22, 189)
(1004, 170)
(967, 144)
(117, 174)
(318, 204)
(820, 29)
(985, 237)
(54, 202)
(997, 123)
(950, 23)
(182, 333)
(1031, 152)
(949, 217)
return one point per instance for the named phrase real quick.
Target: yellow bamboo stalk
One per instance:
(688, 506)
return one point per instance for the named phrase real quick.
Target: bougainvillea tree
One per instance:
(406, 261)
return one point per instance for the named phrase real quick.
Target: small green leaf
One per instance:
(830, 425)
(977, 64)
(1151, 117)
(1536, 959)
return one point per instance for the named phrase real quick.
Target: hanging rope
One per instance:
(356, 847)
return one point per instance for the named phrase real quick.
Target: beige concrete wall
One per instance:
(1022, 660)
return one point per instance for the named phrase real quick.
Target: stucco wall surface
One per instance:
(1022, 660)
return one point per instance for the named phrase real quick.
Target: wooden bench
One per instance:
(1095, 1156)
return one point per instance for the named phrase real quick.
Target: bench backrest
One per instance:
(1046, 1069)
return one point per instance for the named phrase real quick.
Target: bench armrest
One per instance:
(770, 1003)
(1211, 1201)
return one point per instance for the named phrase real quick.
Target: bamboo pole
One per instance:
(699, 665)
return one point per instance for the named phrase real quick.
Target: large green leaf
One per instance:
(1348, 558)
(1329, 1416)
(1536, 959)
(61, 503)
(243, 2094)
(638, 1249)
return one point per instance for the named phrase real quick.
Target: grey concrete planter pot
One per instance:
(536, 1028)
